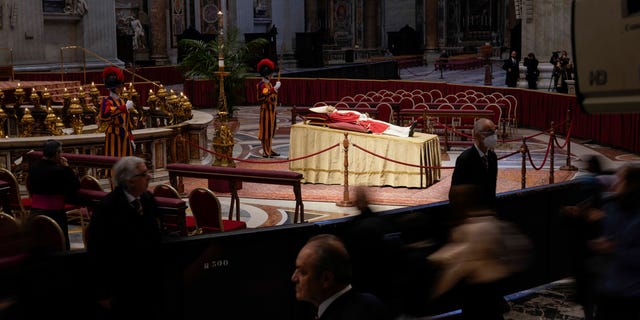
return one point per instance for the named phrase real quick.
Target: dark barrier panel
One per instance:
(247, 274)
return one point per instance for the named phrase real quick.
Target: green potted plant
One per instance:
(201, 62)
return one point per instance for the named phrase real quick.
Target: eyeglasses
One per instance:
(488, 133)
(143, 174)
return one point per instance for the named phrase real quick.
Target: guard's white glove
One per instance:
(277, 86)
(133, 145)
(129, 105)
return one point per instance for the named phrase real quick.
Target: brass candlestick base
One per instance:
(223, 143)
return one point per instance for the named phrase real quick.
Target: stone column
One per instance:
(158, 30)
(431, 22)
(371, 21)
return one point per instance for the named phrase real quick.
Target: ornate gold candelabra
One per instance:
(75, 111)
(35, 99)
(223, 140)
(94, 93)
(19, 94)
(27, 123)
(50, 122)
(46, 96)
(3, 119)
(41, 116)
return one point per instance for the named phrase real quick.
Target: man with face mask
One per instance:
(478, 164)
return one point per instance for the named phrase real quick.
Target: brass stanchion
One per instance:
(552, 154)
(568, 166)
(524, 150)
(223, 140)
(346, 202)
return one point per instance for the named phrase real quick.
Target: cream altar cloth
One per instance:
(364, 168)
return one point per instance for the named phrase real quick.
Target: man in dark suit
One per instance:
(511, 66)
(478, 164)
(124, 242)
(49, 198)
(323, 278)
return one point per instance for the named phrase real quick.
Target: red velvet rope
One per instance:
(566, 141)
(546, 155)
(255, 161)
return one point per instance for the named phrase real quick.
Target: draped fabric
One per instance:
(118, 136)
(536, 109)
(365, 168)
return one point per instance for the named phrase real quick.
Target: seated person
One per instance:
(363, 120)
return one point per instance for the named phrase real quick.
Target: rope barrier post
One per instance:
(552, 153)
(346, 202)
(524, 150)
(568, 166)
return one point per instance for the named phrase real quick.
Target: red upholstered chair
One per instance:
(385, 112)
(320, 104)
(387, 99)
(362, 104)
(167, 191)
(45, 234)
(82, 214)
(347, 99)
(10, 236)
(207, 212)
(497, 94)
(497, 113)
(491, 99)
(451, 98)
(417, 99)
(19, 206)
(513, 113)
(435, 93)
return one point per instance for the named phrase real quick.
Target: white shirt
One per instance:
(325, 304)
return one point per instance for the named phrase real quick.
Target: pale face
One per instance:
(308, 284)
(139, 183)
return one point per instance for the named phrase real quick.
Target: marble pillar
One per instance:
(371, 21)
(431, 24)
(158, 18)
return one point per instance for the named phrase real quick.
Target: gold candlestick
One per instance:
(27, 123)
(46, 96)
(19, 94)
(75, 110)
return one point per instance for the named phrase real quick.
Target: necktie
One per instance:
(137, 206)
(485, 162)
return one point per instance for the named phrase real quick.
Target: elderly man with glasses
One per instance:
(124, 241)
(478, 164)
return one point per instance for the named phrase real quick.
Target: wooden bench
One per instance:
(463, 62)
(172, 210)
(404, 61)
(234, 175)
